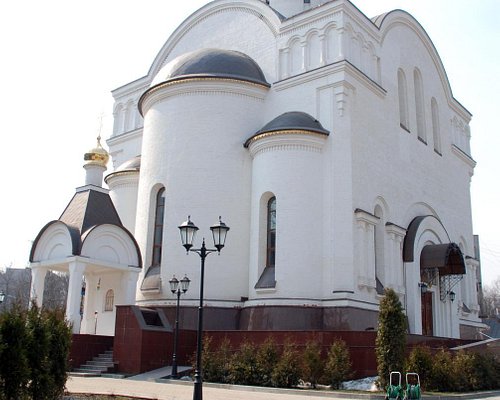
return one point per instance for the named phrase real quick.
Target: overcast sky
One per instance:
(60, 59)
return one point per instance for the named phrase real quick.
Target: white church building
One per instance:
(329, 142)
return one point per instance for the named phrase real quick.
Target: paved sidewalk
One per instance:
(170, 390)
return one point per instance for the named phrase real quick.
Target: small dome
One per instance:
(290, 121)
(293, 121)
(98, 155)
(134, 164)
(212, 63)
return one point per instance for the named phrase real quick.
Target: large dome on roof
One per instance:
(212, 63)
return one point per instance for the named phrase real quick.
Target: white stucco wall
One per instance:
(192, 144)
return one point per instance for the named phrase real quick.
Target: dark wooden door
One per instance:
(427, 324)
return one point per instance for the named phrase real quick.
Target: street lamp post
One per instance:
(178, 290)
(188, 232)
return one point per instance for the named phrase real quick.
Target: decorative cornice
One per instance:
(365, 217)
(395, 229)
(286, 141)
(124, 137)
(342, 66)
(201, 86)
(463, 156)
(122, 178)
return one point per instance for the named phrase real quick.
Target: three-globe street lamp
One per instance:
(188, 232)
(175, 288)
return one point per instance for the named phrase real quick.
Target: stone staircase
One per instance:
(100, 365)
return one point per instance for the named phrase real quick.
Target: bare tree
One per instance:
(491, 299)
(56, 290)
(15, 284)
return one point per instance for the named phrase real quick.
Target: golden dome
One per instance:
(98, 155)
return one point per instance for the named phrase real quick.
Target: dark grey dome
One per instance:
(291, 121)
(209, 63)
(294, 120)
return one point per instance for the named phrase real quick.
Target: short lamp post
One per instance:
(188, 232)
(177, 289)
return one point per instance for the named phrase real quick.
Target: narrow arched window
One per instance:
(419, 105)
(435, 126)
(379, 251)
(403, 101)
(158, 227)
(271, 232)
(109, 300)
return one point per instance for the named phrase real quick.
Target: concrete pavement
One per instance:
(179, 390)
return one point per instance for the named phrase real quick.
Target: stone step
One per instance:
(91, 368)
(101, 363)
(98, 365)
(85, 374)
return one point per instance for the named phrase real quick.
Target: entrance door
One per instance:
(427, 324)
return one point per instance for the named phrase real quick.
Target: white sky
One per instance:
(60, 59)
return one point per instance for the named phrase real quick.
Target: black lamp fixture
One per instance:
(2, 297)
(188, 232)
(424, 287)
(451, 295)
(178, 290)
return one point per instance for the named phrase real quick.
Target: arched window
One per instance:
(419, 105)
(271, 232)
(403, 101)
(267, 278)
(435, 126)
(158, 227)
(109, 300)
(379, 250)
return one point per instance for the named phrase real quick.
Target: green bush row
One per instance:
(269, 365)
(34, 348)
(461, 372)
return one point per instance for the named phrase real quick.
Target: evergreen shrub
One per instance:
(312, 363)
(338, 364)
(391, 337)
(286, 373)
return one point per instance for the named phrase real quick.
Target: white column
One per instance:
(88, 319)
(76, 270)
(303, 52)
(37, 285)
(322, 54)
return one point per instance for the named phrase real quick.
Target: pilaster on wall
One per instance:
(394, 266)
(365, 224)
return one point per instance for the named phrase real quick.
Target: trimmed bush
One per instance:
(37, 351)
(14, 373)
(338, 364)
(312, 363)
(420, 361)
(215, 363)
(391, 337)
(267, 358)
(59, 348)
(286, 373)
(443, 374)
(243, 365)
(36, 344)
